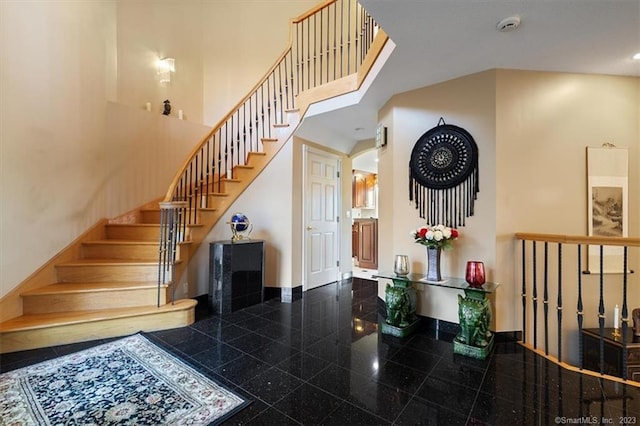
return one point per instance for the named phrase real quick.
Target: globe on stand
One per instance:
(240, 225)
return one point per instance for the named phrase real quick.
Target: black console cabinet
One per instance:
(236, 275)
(612, 352)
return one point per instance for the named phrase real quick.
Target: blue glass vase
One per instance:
(433, 264)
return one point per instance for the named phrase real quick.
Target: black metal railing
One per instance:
(574, 283)
(171, 226)
(328, 43)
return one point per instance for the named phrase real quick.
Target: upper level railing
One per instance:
(326, 44)
(589, 274)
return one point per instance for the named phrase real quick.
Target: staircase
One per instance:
(107, 284)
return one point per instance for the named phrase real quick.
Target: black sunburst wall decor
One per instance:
(443, 175)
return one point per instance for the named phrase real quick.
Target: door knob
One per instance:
(309, 228)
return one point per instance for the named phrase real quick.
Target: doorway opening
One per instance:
(364, 214)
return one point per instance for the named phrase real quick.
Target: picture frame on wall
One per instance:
(608, 205)
(381, 136)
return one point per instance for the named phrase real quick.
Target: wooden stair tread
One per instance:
(122, 242)
(38, 321)
(149, 225)
(61, 288)
(108, 261)
(111, 241)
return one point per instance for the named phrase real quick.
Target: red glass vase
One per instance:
(475, 273)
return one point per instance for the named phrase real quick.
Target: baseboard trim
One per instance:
(285, 294)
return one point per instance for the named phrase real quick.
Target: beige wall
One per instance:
(62, 61)
(148, 31)
(545, 121)
(143, 152)
(532, 129)
(220, 53)
(466, 102)
(267, 202)
(238, 52)
(58, 70)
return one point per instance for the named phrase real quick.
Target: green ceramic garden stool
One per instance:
(474, 312)
(400, 299)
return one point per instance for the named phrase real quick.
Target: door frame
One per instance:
(306, 149)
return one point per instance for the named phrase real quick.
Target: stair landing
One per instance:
(51, 329)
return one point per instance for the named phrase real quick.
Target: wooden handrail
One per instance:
(313, 11)
(272, 108)
(308, 70)
(553, 279)
(174, 182)
(579, 239)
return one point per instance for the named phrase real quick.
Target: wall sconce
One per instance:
(165, 67)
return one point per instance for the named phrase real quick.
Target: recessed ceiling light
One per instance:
(636, 56)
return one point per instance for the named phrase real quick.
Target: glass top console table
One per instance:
(474, 312)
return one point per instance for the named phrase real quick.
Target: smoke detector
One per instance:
(508, 24)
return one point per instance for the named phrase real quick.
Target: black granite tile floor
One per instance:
(321, 360)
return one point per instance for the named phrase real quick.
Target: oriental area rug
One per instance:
(128, 381)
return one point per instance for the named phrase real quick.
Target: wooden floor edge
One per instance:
(105, 315)
(578, 369)
(84, 332)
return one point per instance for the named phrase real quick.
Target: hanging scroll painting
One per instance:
(443, 175)
(608, 204)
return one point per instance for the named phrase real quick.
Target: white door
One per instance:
(321, 223)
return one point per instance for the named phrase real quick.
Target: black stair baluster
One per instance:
(220, 158)
(545, 301)
(315, 50)
(579, 312)
(559, 307)
(535, 298)
(524, 292)
(335, 41)
(601, 315)
(625, 313)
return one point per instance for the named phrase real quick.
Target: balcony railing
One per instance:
(562, 274)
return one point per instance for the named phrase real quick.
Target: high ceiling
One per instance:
(438, 40)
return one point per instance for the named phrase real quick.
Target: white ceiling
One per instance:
(437, 40)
